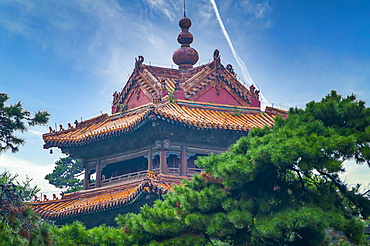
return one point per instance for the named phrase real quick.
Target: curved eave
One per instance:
(97, 201)
(193, 116)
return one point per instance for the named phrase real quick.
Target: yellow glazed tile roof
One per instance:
(89, 201)
(193, 114)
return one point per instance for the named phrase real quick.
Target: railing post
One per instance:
(183, 161)
(98, 174)
(150, 159)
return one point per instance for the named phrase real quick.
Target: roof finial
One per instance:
(185, 56)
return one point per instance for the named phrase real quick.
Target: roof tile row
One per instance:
(198, 115)
(83, 202)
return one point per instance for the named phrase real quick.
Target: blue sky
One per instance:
(68, 57)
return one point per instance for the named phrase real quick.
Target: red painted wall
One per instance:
(133, 102)
(255, 102)
(223, 98)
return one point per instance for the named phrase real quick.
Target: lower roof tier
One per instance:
(111, 197)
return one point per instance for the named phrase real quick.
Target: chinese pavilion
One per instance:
(161, 121)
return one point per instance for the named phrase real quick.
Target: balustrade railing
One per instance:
(121, 179)
(156, 170)
(139, 175)
(173, 171)
(124, 178)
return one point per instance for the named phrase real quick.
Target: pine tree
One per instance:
(277, 186)
(65, 174)
(18, 224)
(26, 191)
(13, 118)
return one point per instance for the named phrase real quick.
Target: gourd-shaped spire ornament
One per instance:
(185, 57)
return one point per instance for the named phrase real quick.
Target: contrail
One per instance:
(240, 62)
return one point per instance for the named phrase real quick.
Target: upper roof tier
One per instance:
(211, 82)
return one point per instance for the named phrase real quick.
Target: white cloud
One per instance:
(260, 10)
(356, 174)
(91, 34)
(167, 7)
(156, 40)
(257, 14)
(35, 132)
(101, 37)
(169, 14)
(205, 15)
(24, 167)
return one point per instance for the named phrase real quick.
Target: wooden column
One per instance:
(86, 178)
(150, 159)
(183, 161)
(98, 174)
(163, 161)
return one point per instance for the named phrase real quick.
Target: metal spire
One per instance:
(184, 9)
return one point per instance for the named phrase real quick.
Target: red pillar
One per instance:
(163, 161)
(98, 174)
(183, 161)
(86, 178)
(150, 159)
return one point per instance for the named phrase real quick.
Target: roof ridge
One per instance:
(217, 106)
(129, 112)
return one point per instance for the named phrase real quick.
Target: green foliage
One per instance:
(65, 174)
(123, 108)
(76, 234)
(25, 189)
(16, 229)
(23, 227)
(13, 118)
(18, 224)
(278, 186)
